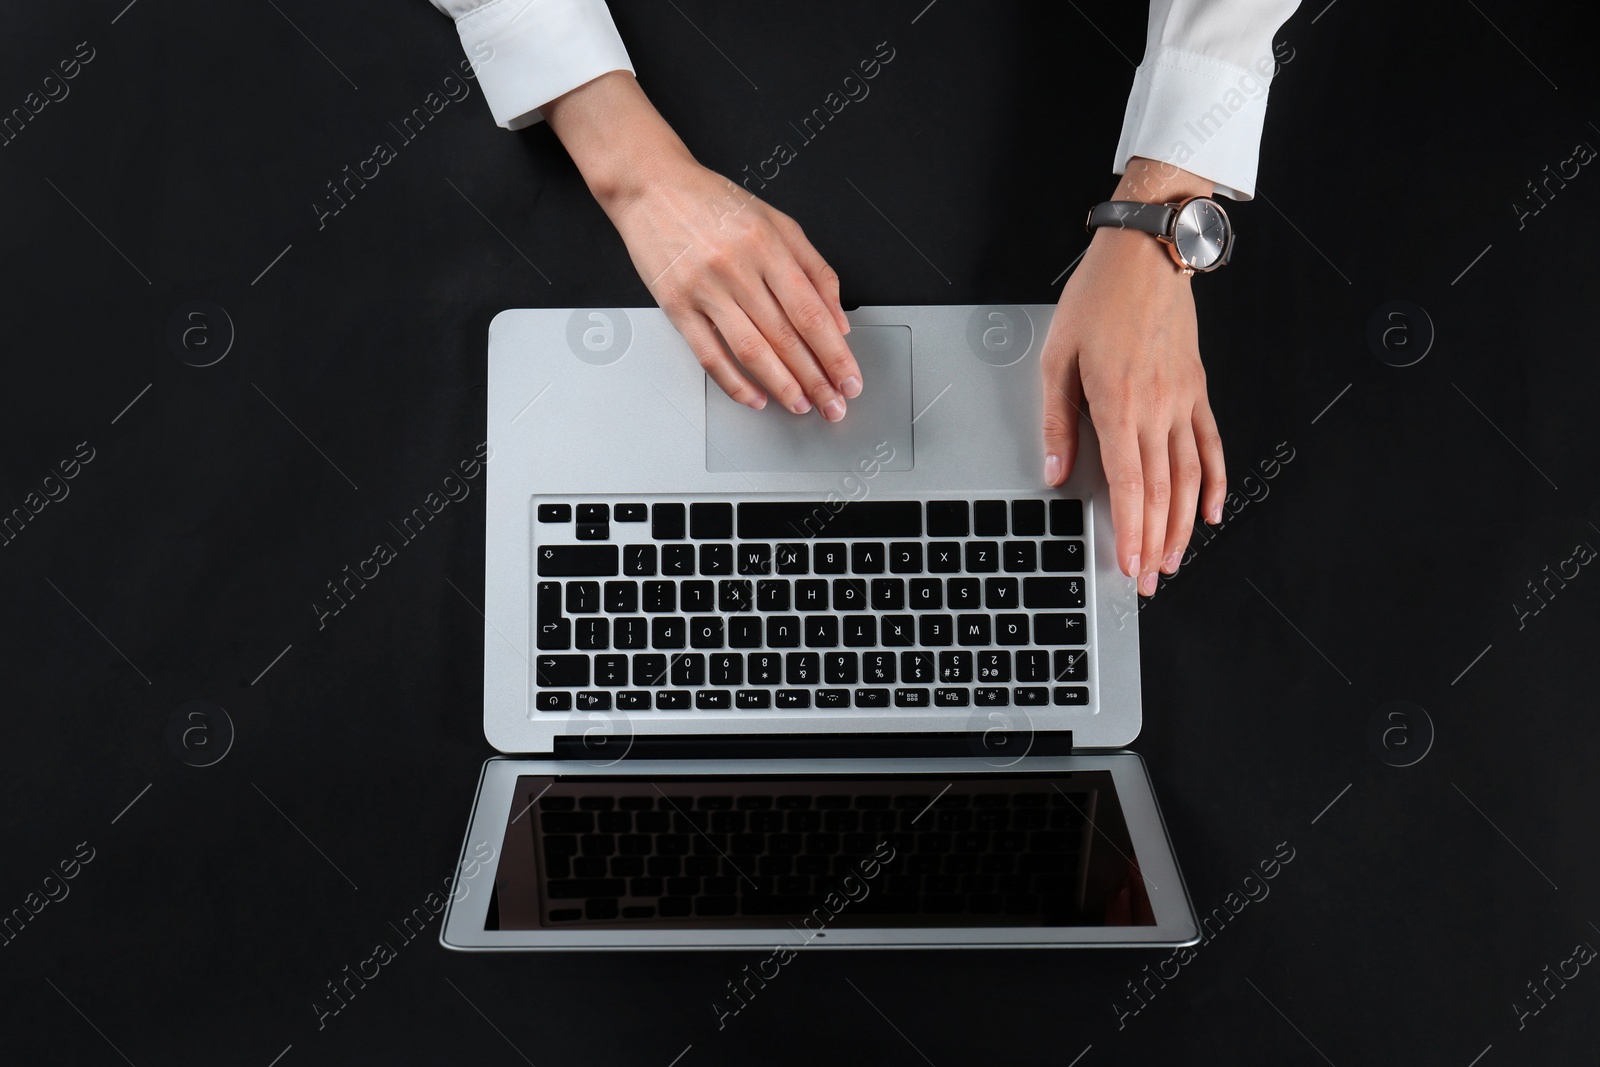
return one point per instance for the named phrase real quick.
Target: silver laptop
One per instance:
(761, 681)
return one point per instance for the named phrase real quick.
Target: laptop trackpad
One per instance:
(877, 428)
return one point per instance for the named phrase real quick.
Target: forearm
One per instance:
(615, 136)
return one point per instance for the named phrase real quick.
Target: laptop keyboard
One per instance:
(766, 604)
(662, 851)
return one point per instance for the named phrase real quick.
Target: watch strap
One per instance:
(1133, 215)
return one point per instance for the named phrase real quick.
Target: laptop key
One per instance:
(744, 632)
(622, 598)
(633, 699)
(794, 698)
(667, 522)
(727, 668)
(716, 559)
(1030, 696)
(1020, 556)
(752, 699)
(994, 666)
(1011, 630)
(839, 668)
(660, 596)
(583, 597)
(989, 518)
(552, 700)
(991, 696)
(630, 513)
(944, 557)
(794, 558)
(667, 632)
(755, 559)
(905, 557)
(630, 632)
(571, 561)
(860, 631)
(867, 557)
(1060, 628)
(554, 672)
(688, 669)
(1053, 592)
(1061, 556)
(833, 698)
(672, 700)
(872, 698)
(1066, 518)
(1000, 592)
(951, 698)
(888, 594)
(712, 699)
(899, 630)
(611, 670)
(677, 560)
(1033, 665)
(955, 666)
(594, 701)
(575, 888)
(947, 518)
(705, 631)
(982, 557)
(1027, 518)
(649, 668)
(555, 512)
(698, 596)
(711, 521)
(829, 558)
(1072, 666)
(911, 698)
(594, 531)
(1071, 695)
(765, 668)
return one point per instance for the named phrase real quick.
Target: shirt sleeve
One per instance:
(1199, 97)
(528, 52)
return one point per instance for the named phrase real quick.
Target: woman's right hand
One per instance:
(757, 303)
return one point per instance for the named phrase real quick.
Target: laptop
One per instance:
(760, 681)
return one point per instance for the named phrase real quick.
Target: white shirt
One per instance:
(1199, 97)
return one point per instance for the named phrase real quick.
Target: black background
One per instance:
(1383, 564)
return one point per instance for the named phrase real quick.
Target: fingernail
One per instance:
(1052, 469)
(833, 410)
(758, 402)
(1170, 564)
(1216, 513)
(801, 406)
(1147, 585)
(851, 387)
(1133, 566)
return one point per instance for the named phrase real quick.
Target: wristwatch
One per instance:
(1196, 231)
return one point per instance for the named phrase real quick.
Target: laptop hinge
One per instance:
(990, 745)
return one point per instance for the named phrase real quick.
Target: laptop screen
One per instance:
(814, 852)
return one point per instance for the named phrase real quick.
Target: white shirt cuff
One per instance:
(528, 52)
(1198, 113)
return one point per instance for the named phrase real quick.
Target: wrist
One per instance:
(1152, 182)
(618, 140)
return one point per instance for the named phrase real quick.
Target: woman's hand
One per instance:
(1123, 338)
(757, 303)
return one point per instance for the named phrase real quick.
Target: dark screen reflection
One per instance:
(1000, 850)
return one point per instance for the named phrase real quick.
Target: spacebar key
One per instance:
(773, 519)
(585, 887)
(566, 561)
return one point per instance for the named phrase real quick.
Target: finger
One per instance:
(1185, 493)
(1119, 454)
(818, 327)
(756, 356)
(823, 277)
(784, 338)
(702, 338)
(1214, 473)
(1063, 397)
(1157, 501)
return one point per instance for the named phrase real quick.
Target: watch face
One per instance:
(1201, 234)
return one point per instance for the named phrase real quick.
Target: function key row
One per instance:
(777, 519)
(990, 696)
(800, 558)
